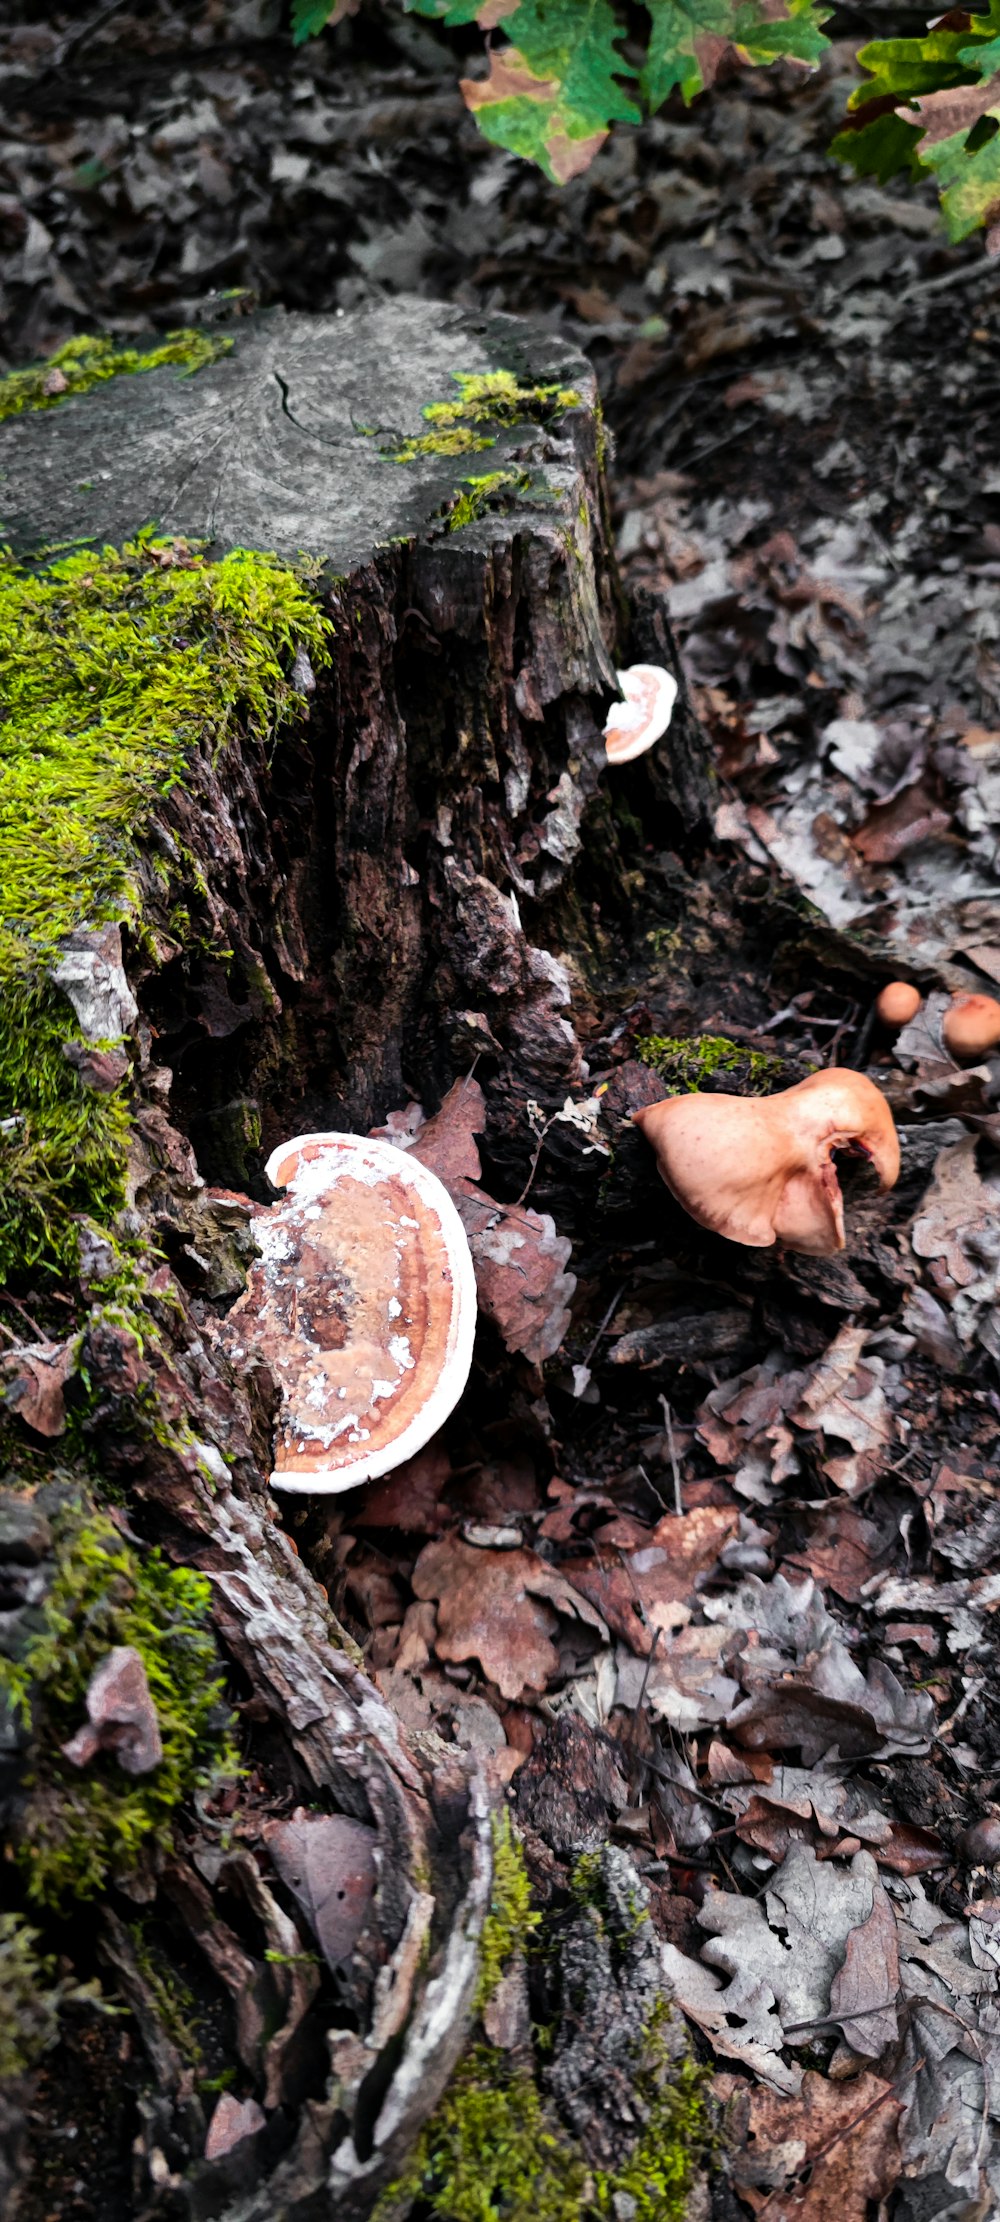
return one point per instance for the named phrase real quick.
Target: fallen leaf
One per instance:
(823, 2155)
(233, 2120)
(500, 1607)
(121, 1716)
(845, 1401)
(644, 1579)
(327, 1861)
(863, 1993)
(36, 1376)
(520, 1260)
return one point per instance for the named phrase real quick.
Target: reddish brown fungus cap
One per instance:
(760, 1169)
(898, 1002)
(363, 1304)
(971, 1027)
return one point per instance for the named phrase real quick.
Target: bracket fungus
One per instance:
(635, 724)
(761, 1169)
(897, 1003)
(971, 1027)
(363, 1304)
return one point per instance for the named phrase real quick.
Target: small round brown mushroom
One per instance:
(760, 1169)
(897, 1003)
(363, 1304)
(971, 1027)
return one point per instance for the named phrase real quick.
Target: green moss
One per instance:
(89, 361)
(481, 495)
(114, 667)
(589, 1887)
(687, 1065)
(494, 398)
(31, 1997)
(510, 1922)
(493, 2150)
(78, 1825)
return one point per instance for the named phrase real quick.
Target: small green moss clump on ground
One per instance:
(78, 1825)
(493, 398)
(686, 1066)
(90, 361)
(114, 667)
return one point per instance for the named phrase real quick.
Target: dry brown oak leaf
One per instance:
(500, 1607)
(843, 2136)
(519, 1258)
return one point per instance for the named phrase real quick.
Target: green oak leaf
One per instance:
(688, 38)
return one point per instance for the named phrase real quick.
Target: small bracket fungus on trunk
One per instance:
(761, 1170)
(897, 1003)
(635, 724)
(363, 1303)
(971, 1027)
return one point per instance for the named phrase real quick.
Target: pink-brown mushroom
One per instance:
(971, 1027)
(897, 1003)
(635, 724)
(761, 1169)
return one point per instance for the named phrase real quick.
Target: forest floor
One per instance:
(759, 1486)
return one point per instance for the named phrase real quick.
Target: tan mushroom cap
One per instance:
(760, 1169)
(898, 1002)
(643, 717)
(971, 1027)
(362, 1303)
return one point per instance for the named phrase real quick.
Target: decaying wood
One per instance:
(407, 886)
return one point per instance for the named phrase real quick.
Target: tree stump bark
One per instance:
(428, 876)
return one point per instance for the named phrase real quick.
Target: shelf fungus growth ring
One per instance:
(363, 1304)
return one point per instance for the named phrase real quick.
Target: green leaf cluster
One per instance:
(77, 1826)
(115, 666)
(933, 103)
(563, 71)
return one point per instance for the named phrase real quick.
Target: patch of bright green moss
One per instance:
(80, 1824)
(493, 398)
(686, 1066)
(492, 2152)
(511, 1921)
(481, 495)
(114, 667)
(495, 2151)
(90, 361)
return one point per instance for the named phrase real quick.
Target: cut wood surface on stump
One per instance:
(405, 879)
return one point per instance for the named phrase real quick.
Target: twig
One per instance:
(672, 1454)
(539, 1145)
(606, 1321)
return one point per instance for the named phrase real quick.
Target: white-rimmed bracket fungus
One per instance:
(643, 717)
(363, 1304)
(971, 1027)
(897, 1003)
(761, 1169)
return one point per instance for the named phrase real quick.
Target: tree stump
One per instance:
(422, 876)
